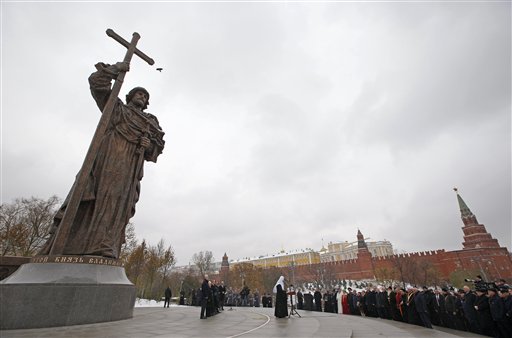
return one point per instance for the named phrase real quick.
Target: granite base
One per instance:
(55, 294)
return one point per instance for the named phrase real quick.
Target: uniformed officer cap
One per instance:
(504, 288)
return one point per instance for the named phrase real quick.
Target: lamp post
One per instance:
(292, 266)
(480, 266)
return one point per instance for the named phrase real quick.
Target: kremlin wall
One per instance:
(480, 254)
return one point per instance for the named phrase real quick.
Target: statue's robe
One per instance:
(113, 185)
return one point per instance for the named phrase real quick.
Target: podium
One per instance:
(293, 311)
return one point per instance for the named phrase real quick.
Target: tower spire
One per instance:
(475, 234)
(360, 240)
(465, 213)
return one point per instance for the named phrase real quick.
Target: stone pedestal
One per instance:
(62, 291)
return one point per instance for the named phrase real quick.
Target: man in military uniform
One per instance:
(483, 312)
(505, 326)
(468, 305)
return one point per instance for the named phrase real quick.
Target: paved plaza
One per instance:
(183, 321)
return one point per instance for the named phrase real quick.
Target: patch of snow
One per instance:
(150, 303)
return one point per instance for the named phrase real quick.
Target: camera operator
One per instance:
(478, 282)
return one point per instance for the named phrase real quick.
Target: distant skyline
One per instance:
(285, 122)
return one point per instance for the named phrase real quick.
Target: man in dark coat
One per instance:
(506, 325)
(167, 296)
(269, 300)
(300, 300)
(222, 295)
(205, 294)
(440, 306)
(483, 312)
(334, 300)
(497, 307)
(318, 300)
(244, 294)
(468, 305)
(461, 322)
(422, 308)
(308, 301)
(327, 301)
(256, 298)
(382, 303)
(430, 299)
(216, 297)
(371, 303)
(449, 305)
(193, 297)
(351, 302)
(392, 309)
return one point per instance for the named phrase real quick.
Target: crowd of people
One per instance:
(479, 307)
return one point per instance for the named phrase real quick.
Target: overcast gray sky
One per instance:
(285, 123)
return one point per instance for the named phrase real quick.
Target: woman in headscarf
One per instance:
(281, 309)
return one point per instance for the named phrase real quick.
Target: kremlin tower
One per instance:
(475, 234)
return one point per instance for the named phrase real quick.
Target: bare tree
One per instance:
(402, 267)
(25, 225)
(148, 267)
(168, 260)
(203, 261)
(134, 266)
(130, 242)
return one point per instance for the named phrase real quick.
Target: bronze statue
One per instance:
(94, 215)
(112, 186)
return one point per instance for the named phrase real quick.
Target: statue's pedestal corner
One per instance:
(52, 294)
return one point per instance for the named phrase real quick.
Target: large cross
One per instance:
(64, 227)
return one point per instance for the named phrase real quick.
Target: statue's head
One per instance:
(132, 92)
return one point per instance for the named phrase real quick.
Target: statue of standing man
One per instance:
(113, 185)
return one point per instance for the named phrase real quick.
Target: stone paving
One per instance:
(183, 321)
